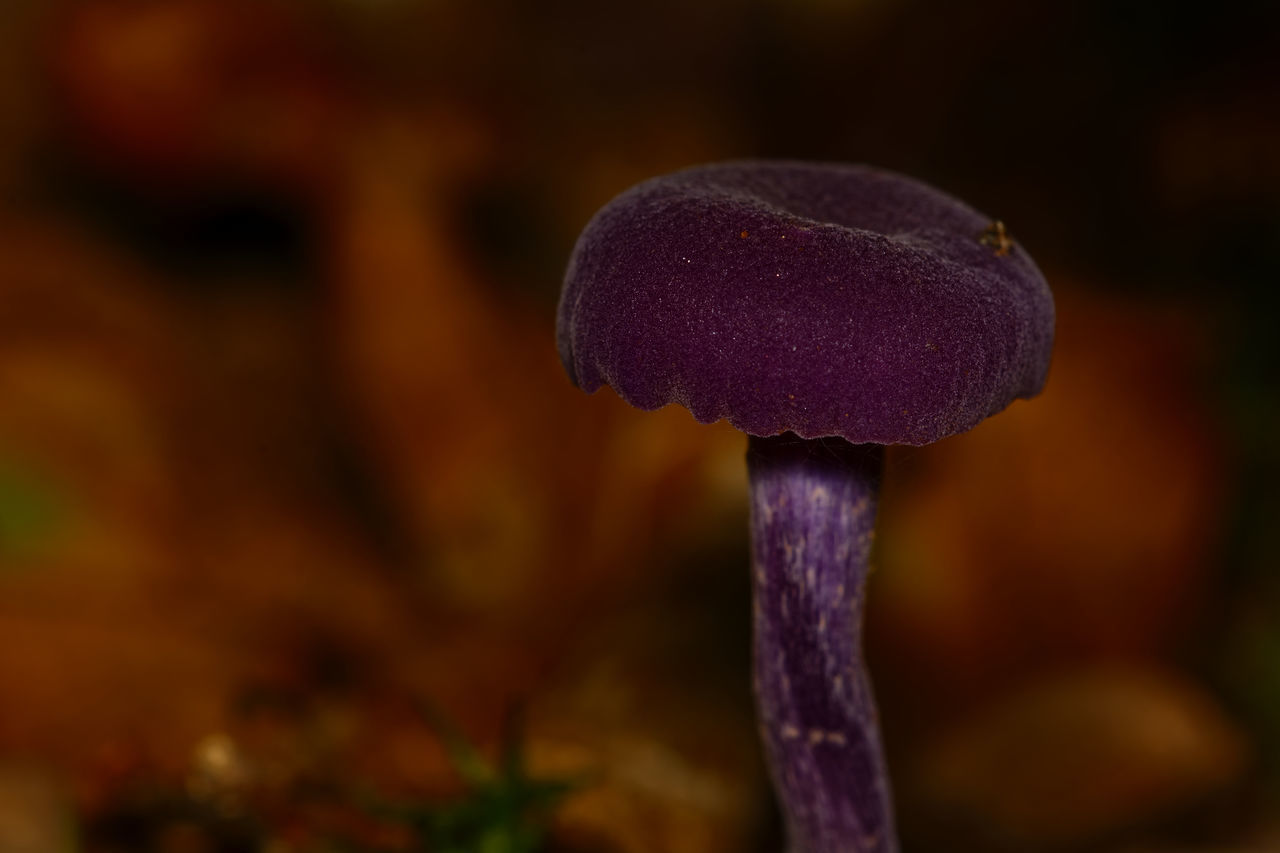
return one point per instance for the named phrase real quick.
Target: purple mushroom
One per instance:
(826, 311)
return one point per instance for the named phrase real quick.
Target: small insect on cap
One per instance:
(818, 298)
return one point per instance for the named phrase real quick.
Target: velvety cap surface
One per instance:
(818, 298)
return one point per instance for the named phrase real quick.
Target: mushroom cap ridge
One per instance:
(822, 299)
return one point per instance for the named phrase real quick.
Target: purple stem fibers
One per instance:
(813, 507)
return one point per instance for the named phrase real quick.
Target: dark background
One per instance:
(294, 495)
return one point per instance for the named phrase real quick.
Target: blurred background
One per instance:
(307, 544)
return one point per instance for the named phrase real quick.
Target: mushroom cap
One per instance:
(818, 298)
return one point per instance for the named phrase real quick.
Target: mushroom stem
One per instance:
(813, 507)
